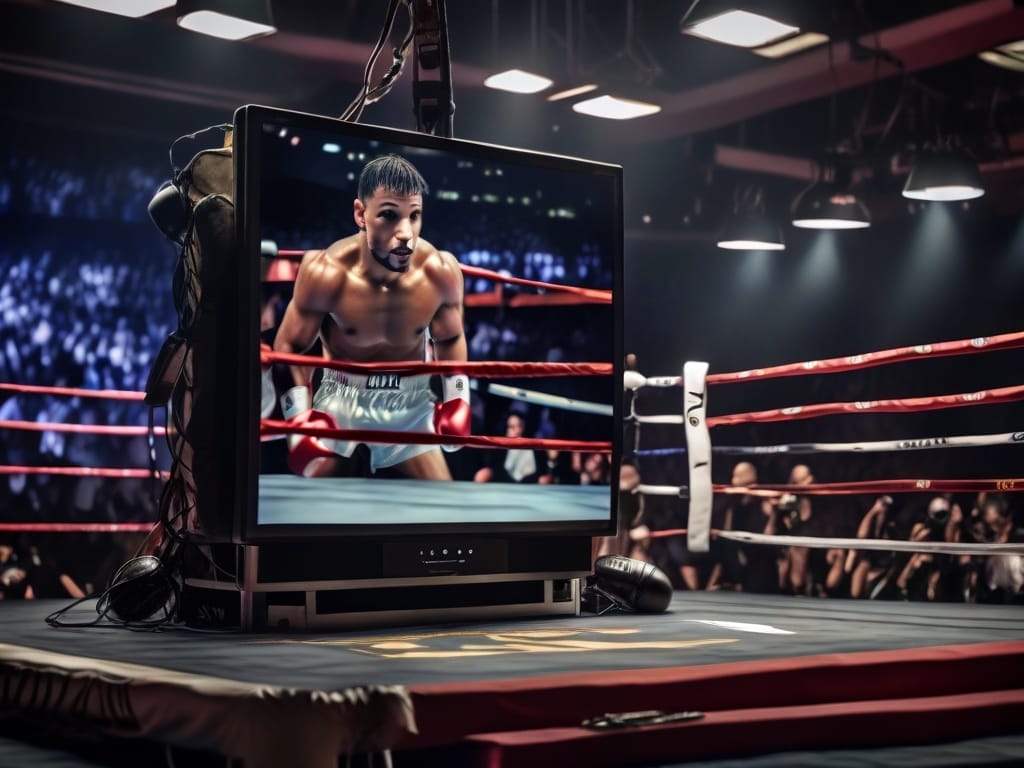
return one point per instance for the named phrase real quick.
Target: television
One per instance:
(509, 286)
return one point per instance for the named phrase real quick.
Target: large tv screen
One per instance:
(432, 333)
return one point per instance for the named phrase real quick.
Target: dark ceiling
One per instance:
(897, 74)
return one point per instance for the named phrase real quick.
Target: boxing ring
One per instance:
(735, 675)
(478, 502)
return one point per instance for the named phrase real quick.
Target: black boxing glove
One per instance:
(633, 584)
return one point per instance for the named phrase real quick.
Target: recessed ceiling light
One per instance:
(131, 8)
(742, 28)
(615, 108)
(518, 81)
(1009, 56)
(222, 26)
(226, 19)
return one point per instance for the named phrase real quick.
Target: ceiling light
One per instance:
(791, 45)
(226, 19)
(742, 28)
(944, 175)
(825, 205)
(579, 90)
(615, 108)
(132, 8)
(1009, 56)
(518, 81)
(751, 231)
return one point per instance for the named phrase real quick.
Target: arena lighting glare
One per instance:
(740, 28)
(226, 19)
(130, 8)
(944, 175)
(579, 90)
(615, 108)
(751, 231)
(825, 205)
(518, 81)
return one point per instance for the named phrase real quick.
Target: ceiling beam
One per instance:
(927, 42)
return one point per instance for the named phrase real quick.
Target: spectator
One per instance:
(512, 465)
(928, 576)
(1004, 574)
(869, 569)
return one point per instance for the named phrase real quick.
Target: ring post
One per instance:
(698, 455)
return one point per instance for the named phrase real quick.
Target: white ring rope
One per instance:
(663, 490)
(878, 446)
(909, 444)
(542, 398)
(671, 418)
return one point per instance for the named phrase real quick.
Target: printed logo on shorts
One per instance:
(379, 381)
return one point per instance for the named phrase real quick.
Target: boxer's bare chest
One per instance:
(381, 322)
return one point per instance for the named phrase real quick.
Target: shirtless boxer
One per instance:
(382, 294)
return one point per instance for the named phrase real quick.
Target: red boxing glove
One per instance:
(453, 415)
(305, 452)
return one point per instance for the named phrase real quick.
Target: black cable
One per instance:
(355, 107)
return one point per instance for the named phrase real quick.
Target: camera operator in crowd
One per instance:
(928, 576)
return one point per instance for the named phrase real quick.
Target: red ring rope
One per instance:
(108, 394)
(871, 359)
(1002, 485)
(276, 427)
(81, 429)
(76, 527)
(590, 293)
(7, 469)
(905, 405)
(493, 369)
(878, 545)
(594, 294)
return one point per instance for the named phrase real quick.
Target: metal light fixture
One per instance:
(227, 19)
(750, 228)
(944, 174)
(828, 205)
(751, 231)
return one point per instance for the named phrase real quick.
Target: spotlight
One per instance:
(751, 231)
(825, 205)
(227, 19)
(944, 175)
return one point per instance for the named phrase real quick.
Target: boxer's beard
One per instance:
(386, 263)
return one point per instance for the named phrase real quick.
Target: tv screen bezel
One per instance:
(247, 134)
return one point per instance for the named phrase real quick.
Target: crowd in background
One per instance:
(656, 455)
(840, 571)
(85, 303)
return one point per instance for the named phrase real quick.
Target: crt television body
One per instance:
(551, 219)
